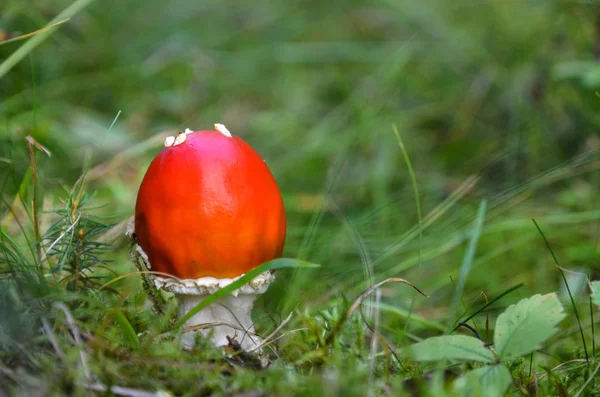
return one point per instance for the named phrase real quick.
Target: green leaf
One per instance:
(489, 381)
(452, 347)
(245, 279)
(524, 326)
(595, 286)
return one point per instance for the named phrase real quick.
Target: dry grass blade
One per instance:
(37, 39)
(31, 34)
(358, 301)
(32, 144)
(52, 338)
(272, 334)
(587, 382)
(388, 348)
(199, 327)
(212, 325)
(245, 332)
(284, 335)
(31, 141)
(578, 360)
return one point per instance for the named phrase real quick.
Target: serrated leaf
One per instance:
(489, 381)
(595, 286)
(523, 327)
(452, 347)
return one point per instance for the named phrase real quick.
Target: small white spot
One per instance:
(188, 131)
(179, 139)
(169, 141)
(223, 130)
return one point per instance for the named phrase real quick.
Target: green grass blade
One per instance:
(407, 314)
(127, 329)
(587, 382)
(482, 308)
(594, 298)
(468, 258)
(415, 187)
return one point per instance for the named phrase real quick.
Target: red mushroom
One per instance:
(207, 212)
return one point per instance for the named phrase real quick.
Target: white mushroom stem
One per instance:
(229, 316)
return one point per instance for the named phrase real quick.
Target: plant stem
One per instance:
(562, 273)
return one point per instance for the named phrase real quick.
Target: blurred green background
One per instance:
(495, 101)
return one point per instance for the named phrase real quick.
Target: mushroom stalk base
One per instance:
(228, 316)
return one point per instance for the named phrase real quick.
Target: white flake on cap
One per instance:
(223, 130)
(180, 139)
(169, 141)
(177, 140)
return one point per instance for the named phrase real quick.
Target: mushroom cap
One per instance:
(209, 206)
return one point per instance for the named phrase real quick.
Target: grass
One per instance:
(412, 141)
